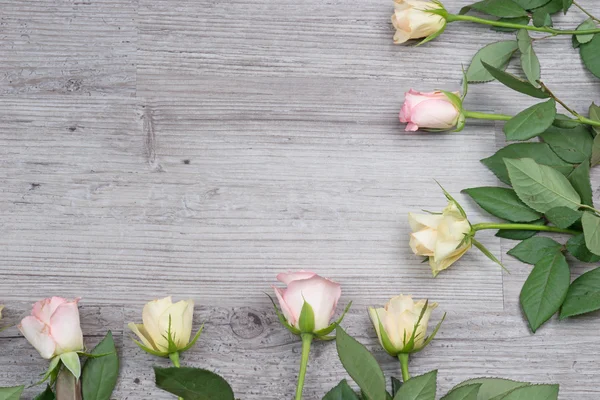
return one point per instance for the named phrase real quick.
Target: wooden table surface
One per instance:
(198, 147)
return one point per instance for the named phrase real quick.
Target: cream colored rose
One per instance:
(398, 319)
(412, 22)
(444, 238)
(166, 327)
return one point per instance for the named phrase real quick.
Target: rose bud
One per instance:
(402, 324)
(166, 327)
(53, 327)
(411, 21)
(308, 302)
(444, 238)
(434, 110)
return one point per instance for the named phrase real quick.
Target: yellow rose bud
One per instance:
(395, 324)
(444, 238)
(166, 327)
(412, 21)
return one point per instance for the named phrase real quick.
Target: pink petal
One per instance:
(38, 334)
(411, 127)
(44, 309)
(66, 329)
(291, 317)
(437, 114)
(289, 277)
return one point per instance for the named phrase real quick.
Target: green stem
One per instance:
(493, 117)
(175, 360)
(522, 227)
(585, 11)
(588, 121)
(306, 342)
(469, 18)
(403, 357)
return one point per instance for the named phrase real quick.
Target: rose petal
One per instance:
(44, 309)
(38, 334)
(322, 295)
(289, 277)
(142, 334)
(65, 328)
(151, 316)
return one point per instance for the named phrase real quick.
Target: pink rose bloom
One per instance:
(432, 110)
(320, 293)
(53, 327)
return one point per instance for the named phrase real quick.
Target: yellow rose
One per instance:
(412, 22)
(166, 327)
(395, 324)
(444, 238)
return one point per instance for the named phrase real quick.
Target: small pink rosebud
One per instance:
(432, 110)
(53, 327)
(320, 293)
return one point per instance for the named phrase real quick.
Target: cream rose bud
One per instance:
(320, 294)
(411, 21)
(395, 324)
(432, 110)
(166, 327)
(444, 238)
(53, 327)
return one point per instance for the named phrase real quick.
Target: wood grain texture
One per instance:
(197, 148)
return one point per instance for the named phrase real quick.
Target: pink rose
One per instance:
(53, 327)
(428, 110)
(320, 293)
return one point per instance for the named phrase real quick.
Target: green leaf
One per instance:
(518, 234)
(591, 231)
(563, 217)
(532, 250)
(541, 17)
(467, 392)
(99, 375)
(545, 289)
(497, 54)
(590, 54)
(193, 383)
(580, 179)
(11, 393)
(595, 115)
(342, 391)
(518, 21)
(531, 122)
(562, 121)
(500, 8)
(533, 392)
(576, 246)
(47, 394)
(514, 83)
(529, 60)
(421, 387)
(396, 385)
(493, 388)
(540, 152)
(572, 145)
(584, 26)
(566, 5)
(306, 321)
(596, 151)
(583, 295)
(531, 4)
(541, 187)
(503, 203)
(361, 365)
(72, 362)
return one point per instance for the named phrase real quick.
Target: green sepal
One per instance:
(326, 338)
(452, 199)
(72, 363)
(90, 355)
(465, 83)
(282, 319)
(435, 331)
(193, 341)
(387, 344)
(149, 350)
(330, 328)
(433, 35)
(488, 254)
(51, 372)
(306, 321)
